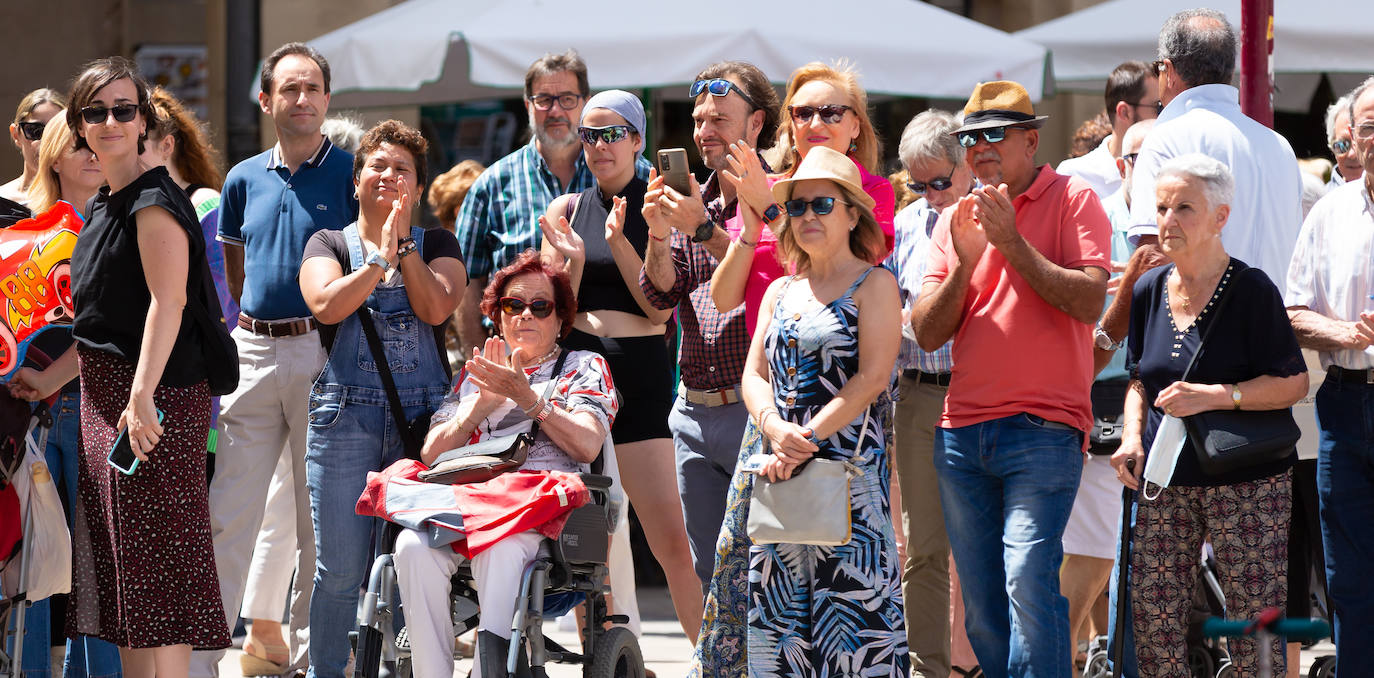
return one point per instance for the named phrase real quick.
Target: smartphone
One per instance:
(122, 454)
(672, 166)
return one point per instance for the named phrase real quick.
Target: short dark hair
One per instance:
(1126, 83)
(756, 86)
(396, 133)
(94, 76)
(1201, 45)
(529, 261)
(299, 49)
(550, 64)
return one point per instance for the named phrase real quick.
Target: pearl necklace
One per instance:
(543, 358)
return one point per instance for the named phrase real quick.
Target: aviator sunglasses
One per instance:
(513, 306)
(821, 206)
(609, 134)
(1339, 146)
(936, 184)
(33, 131)
(719, 87)
(830, 113)
(992, 135)
(94, 115)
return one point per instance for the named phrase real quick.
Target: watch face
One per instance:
(773, 212)
(704, 232)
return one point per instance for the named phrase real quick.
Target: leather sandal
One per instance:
(254, 660)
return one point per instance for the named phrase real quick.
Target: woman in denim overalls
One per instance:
(407, 290)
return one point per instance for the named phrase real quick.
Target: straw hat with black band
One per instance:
(1000, 103)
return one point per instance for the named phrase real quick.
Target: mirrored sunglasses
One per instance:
(609, 134)
(94, 115)
(992, 135)
(1340, 146)
(821, 206)
(719, 87)
(33, 131)
(937, 184)
(830, 113)
(540, 308)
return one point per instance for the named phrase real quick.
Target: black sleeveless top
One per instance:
(603, 288)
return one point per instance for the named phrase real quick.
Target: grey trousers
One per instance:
(706, 444)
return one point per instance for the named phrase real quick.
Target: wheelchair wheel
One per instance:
(1099, 666)
(367, 655)
(1226, 670)
(1323, 667)
(616, 655)
(1201, 663)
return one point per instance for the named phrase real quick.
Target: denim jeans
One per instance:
(1007, 486)
(1345, 488)
(85, 656)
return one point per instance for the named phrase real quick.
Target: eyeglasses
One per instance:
(821, 206)
(830, 113)
(609, 134)
(992, 135)
(94, 115)
(540, 308)
(1340, 146)
(1130, 158)
(566, 101)
(33, 131)
(1365, 130)
(938, 184)
(1158, 106)
(719, 87)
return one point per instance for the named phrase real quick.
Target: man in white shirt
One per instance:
(1347, 167)
(1130, 96)
(1330, 287)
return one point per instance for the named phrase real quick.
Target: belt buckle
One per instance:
(258, 326)
(1368, 376)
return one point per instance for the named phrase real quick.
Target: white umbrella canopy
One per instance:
(433, 51)
(1311, 37)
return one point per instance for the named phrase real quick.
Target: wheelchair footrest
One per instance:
(566, 657)
(618, 618)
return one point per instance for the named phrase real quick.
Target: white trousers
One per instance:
(274, 554)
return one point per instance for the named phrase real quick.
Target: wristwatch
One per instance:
(1103, 341)
(704, 231)
(376, 259)
(771, 214)
(1235, 396)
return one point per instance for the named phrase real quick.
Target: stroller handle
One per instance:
(1292, 629)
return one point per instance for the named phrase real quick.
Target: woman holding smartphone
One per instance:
(143, 574)
(600, 235)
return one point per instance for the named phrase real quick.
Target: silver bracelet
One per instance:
(538, 403)
(544, 412)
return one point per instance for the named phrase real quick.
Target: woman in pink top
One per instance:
(824, 106)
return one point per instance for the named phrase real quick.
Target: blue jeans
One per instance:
(1345, 488)
(1007, 486)
(86, 656)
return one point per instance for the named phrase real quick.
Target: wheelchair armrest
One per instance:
(595, 481)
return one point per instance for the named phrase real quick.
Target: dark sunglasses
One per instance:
(719, 87)
(1339, 146)
(566, 101)
(1130, 158)
(940, 184)
(33, 131)
(609, 134)
(94, 115)
(830, 113)
(540, 308)
(992, 135)
(821, 206)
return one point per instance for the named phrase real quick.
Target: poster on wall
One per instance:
(181, 70)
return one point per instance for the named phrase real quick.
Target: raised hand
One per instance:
(499, 376)
(397, 221)
(747, 176)
(561, 236)
(615, 219)
(966, 233)
(994, 211)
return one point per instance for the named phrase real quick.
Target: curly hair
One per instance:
(845, 78)
(564, 300)
(396, 133)
(195, 158)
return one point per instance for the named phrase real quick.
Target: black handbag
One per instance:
(221, 353)
(1109, 405)
(1231, 440)
(483, 461)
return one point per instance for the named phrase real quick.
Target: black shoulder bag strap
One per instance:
(1212, 324)
(393, 397)
(548, 391)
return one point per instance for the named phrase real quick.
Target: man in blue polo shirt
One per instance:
(272, 203)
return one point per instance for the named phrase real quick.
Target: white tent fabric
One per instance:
(1310, 37)
(418, 51)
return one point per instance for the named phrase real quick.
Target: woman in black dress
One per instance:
(144, 569)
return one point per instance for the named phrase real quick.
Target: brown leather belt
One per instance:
(712, 398)
(277, 328)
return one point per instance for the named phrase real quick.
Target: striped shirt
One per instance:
(500, 215)
(913, 226)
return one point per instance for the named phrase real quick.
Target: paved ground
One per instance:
(666, 650)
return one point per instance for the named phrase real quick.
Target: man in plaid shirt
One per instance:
(499, 217)
(735, 103)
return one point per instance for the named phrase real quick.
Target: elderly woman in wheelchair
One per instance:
(505, 388)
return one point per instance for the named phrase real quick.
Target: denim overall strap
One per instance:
(355, 244)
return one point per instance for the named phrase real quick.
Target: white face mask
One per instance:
(1163, 457)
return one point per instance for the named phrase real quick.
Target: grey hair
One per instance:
(344, 131)
(1201, 53)
(1331, 112)
(1217, 183)
(930, 135)
(1355, 95)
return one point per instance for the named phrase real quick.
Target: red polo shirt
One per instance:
(1013, 352)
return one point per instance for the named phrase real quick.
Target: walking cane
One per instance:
(1118, 649)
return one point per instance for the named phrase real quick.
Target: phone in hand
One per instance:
(672, 166)
(122, 454)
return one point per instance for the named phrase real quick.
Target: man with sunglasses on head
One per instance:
(1016, 276)
(1131, 96)
(499, 217)
(1197, 57)
(734, 103)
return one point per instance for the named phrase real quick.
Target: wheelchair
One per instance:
(565, 571)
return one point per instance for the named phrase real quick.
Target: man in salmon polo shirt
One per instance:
(1017, 277)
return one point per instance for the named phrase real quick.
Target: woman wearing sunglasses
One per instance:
(824, 108)
(404, 282)
(143, 571)
(600, 236)
(34, 112)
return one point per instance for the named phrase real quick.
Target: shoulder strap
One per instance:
(548, 390)
(355, 246)
(858, 281)
(393, 398)
(1216, 313)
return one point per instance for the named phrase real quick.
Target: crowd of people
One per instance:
(1037, 338)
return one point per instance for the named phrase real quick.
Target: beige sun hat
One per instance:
(822, 162)
(998, 104)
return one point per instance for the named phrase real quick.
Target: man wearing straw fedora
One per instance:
(1017, 276)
